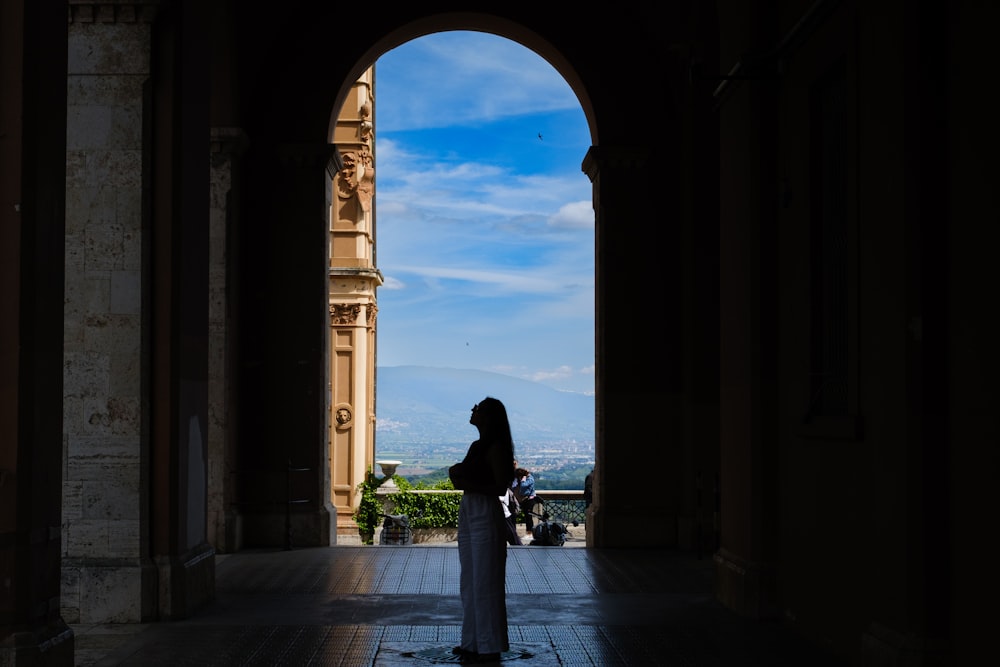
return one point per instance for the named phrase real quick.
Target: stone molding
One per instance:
(112, 11)
(229, 140)
(614, 157)
(745, 586)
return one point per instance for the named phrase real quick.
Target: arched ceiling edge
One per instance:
(488, 23)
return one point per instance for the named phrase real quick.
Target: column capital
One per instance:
(344, 314)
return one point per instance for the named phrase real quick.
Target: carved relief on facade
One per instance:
(357, 177)
(372, 311)
(344, 415)
(367, 129)
(344, 313)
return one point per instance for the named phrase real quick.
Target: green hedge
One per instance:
(425, 510)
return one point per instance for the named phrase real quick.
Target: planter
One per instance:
(434, 535)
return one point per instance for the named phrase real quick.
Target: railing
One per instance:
(563, 506)
(567, 507)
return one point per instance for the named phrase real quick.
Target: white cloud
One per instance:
(516, 205)
(488, 78)
(391, 282)
(518, 281)
(559, 373)
(485, 230)
(576, 215)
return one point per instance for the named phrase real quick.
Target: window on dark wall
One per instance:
(829, 247)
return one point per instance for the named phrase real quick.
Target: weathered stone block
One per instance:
(93, 458)
(110, 595)
(126, 292)
(112, 498)
(86, 374)
(101, 48)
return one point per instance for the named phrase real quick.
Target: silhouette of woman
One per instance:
(484, 474)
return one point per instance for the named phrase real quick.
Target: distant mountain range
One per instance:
(421, 405)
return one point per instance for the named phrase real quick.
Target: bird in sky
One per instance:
(539, 136)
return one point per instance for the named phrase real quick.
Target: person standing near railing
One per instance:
(524, 491)
(483, 475)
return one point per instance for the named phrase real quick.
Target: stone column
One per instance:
(353, 281)
(283, 393)
(748, 436)
(638, 372)
(136, 338)
(107, 574)
(177, 306)
(224, 521)
(32, 215)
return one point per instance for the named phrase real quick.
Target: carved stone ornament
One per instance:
(357, 177)
(343, 415)
(366, 123)
(372, 310)
(344, 313)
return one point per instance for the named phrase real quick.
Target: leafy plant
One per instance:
(369, 513)
(430, 510)
(425, 510)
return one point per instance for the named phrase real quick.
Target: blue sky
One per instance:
(485, 223)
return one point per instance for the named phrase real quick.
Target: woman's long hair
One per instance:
(497, 426)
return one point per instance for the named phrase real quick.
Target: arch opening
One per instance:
(473, 211)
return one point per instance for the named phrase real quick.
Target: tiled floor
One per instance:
(398, 605)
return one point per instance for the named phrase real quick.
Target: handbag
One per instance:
(512, 505)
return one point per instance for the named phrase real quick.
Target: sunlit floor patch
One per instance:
(399, 653)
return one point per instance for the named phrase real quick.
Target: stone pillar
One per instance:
(353, 281)
(283, 393)
(748, 435)
(637, 371)
(136, 339)
(178, 341)
(748, 331)
(920, 626)
(32, 215)
(107, 574)
(224, 521)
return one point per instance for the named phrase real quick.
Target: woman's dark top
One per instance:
(482, 471)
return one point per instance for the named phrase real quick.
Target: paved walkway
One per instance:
(398, 605)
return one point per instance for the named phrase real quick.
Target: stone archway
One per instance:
(261, 405)
(354, 278)
(629, 182)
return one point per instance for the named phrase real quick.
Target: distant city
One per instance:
(423, 421)
(554, 465)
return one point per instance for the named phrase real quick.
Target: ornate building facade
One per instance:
(353, 308)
